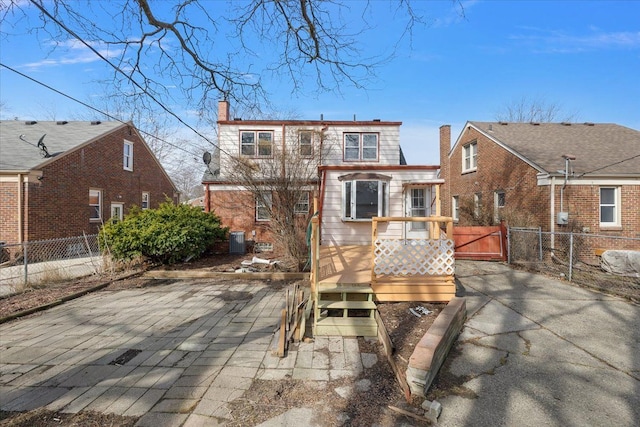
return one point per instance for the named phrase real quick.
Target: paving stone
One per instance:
(161, 419)
(310, 374)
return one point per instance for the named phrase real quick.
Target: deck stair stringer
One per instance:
(345, 310)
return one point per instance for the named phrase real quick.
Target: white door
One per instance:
(417, 204)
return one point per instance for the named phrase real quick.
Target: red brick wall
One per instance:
(497, 170)
(500, 170)
(58, 204)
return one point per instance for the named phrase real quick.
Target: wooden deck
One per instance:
(345, 265)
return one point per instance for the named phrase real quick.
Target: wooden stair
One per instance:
(345, 310)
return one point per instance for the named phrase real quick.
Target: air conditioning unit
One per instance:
(563, 218)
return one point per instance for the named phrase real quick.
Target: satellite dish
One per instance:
(206, 158)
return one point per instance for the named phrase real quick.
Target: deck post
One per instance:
(315, 258)
(374, 236)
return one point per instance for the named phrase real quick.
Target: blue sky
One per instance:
(583, 56)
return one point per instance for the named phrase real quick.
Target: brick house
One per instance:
(358, 172)
(559, 176)
(63, 179)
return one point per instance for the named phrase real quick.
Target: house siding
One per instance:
(57, 205)
(336, 231)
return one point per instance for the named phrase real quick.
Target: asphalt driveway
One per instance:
(538, 351)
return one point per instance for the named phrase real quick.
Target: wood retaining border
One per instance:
(430, 352)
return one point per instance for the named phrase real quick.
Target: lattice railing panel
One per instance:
(416, 257)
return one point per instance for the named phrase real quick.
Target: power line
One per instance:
(135, 83)
(92, 108)
(609, 165)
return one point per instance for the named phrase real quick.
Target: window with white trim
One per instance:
(455, 208)
(145, 200)
(117, 211)
(362, 200)
(470, 157)
(609, 206)
(305, 139)
(302, 207)
(499, 201)
(360, 146)
(127, 156)
(95, 205)
(256, 143)
(477, 205)
(263, 207)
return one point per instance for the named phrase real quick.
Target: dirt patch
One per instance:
(354, 402)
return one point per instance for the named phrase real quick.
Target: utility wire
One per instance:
(115, 67)
(92, 108)
(609, 165)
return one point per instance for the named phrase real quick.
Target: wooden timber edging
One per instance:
(203, 274)
(432, 349)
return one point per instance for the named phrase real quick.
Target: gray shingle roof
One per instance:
(601, 149)
(18, 140)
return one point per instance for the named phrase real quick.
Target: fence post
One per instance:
(25, 262)
(570, 254)
(540, 243)
(508, 245)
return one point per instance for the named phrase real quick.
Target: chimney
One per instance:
(223, 111)
(445, 191)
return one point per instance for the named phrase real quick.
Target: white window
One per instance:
(256, 143)
(609, 206)
(145, 201)
(360, 146)
(117, 211)
(455, 208)
(418, 208)
(362, 200)
(477, 205)
(470, 157)
(127, 158)
(302, 207)
(95, 205)
(499, 200)
(306, 143)
(263, 207)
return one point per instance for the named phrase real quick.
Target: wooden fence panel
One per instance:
(484, 243)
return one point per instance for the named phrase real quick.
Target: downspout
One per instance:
(552, 205)
(207, 198)
(20, 207)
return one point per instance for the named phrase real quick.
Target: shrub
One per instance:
(168, 234)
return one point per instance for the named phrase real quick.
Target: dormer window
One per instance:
(360, 147)
(256, 143)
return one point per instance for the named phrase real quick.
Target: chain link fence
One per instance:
(575, 257)
(46, 261)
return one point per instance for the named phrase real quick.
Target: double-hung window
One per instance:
(360, 146)
(302, 207)
(455, 208)
(609, 206)
(95, 205)
(306, 143)
(362, 200)
(470, 157)
(263, 206)
(499, 201)
(127, 156)
(145, 200)
(256, 143)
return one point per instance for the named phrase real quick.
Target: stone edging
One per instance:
(430, 352)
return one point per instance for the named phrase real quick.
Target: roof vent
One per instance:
(30, 122)
(565, 124)
(535, 123)
(589, 124)
(503, 123)
(237, 119)
(376, 120)
(63, 122)
(95, 122)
